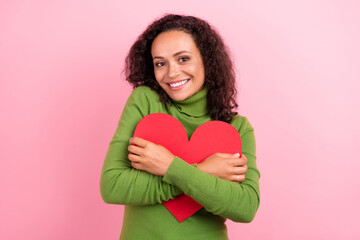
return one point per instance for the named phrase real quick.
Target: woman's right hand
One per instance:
(226, 166)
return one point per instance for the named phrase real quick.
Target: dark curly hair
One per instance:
(219, 73)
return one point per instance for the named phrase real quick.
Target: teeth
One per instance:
(179, 83)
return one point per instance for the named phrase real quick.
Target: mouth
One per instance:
(178, 84)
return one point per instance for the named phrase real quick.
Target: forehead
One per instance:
(168, 43)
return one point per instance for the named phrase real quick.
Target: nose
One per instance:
(173, 70)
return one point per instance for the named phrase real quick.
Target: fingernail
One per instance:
(237, 155)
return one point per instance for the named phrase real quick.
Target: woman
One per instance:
(179, 66)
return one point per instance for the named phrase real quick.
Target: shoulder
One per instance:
(143, 99)
(144, 95)
(242, 124)
(144, 92)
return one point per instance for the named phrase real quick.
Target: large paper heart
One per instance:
(209, 138)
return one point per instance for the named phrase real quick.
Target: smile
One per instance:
(178, 83)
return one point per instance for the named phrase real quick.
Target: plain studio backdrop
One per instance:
(62, 93)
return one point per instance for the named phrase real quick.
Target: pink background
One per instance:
(62, 93)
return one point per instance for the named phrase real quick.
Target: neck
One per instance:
(195, 105)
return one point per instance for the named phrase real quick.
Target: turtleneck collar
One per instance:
(195, 106)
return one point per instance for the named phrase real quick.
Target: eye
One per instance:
(159, 64)
(184, 59)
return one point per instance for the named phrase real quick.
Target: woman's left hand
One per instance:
(147, 156)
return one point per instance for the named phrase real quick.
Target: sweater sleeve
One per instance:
(120, 183)
(236, 201)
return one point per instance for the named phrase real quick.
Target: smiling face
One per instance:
(178, 64)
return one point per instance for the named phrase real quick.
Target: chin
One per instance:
(178, 97)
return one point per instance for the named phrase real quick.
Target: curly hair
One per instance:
(219, 73)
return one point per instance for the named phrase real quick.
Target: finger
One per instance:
(134, 158)
(135, 149)
(240, 170)
(236, 162)
(228, 155)
(138, 141)
(238, 178)
(136, 165)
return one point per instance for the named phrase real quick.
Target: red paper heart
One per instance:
(209, 138)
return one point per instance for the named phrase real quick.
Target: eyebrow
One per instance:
(174, 54)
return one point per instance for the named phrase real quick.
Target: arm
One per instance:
(236, 201)
(120, 183)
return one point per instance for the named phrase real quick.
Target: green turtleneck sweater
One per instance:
(142, 193)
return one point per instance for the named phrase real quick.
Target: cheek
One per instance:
(201, 71)
(191, 69)
(198, 72)
(196, 69)
(158, 76)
